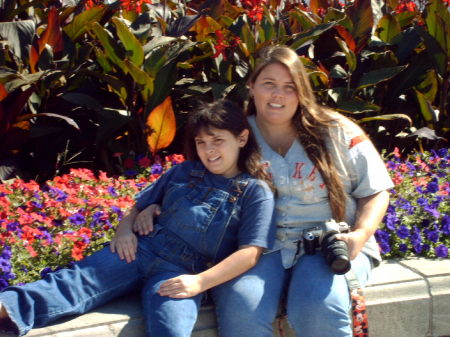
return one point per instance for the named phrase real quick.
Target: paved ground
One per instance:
(406, 298)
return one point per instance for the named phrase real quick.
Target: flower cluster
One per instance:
(417, 221)
(44, 228)
(128, 5)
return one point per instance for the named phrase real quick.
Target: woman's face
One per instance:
(275, 95)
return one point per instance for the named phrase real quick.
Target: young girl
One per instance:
(216, 218)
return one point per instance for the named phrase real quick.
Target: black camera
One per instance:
(335, 251)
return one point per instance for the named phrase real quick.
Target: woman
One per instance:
(215, 220)
(323, 167)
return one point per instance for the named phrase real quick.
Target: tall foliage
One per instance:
(83, 84)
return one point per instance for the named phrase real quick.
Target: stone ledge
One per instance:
(405, 298)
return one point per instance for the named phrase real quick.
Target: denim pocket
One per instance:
(195, 210)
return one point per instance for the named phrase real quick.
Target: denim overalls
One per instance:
(210, 232)
(187, 239)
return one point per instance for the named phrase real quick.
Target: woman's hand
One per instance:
(143, 223)
(124, 243)
(355, 241)
(182, 286)
(369, 215)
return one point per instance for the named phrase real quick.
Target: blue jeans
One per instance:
(94, 281)
(101, 277)
(316, 300)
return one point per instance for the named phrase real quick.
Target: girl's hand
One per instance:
(182, 286)
(143, 223)
(124, 243)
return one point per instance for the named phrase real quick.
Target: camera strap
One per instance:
(360, 320)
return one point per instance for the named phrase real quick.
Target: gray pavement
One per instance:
(405, 298)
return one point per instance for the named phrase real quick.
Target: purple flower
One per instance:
(441, 251)
(418, 248)
(77, 219)
(433, 236)
(446, 224)
(403, 248)
(3, 283)
(442, 152)
(112, 191)
(403, 232)
(157, 168)
(5, 265)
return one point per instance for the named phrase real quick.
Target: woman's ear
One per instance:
(243, 137)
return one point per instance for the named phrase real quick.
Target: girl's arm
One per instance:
(369, 215)
(124, 241)
(185, 286)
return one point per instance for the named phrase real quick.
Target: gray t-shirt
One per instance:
(302, 198)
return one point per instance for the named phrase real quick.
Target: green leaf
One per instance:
(300, 39)
(388, 28)
(19, 35)
(338, 72)
(142, 78)
(387, 117)
(165, 79)
(109, 44)
(436, 53)
(82, 100)
(349, 55)
(426, 108)
(429, 86)
(134, 49)
(356, 106)
(376, 76)
(82, 21)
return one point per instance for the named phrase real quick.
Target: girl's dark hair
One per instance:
(225, 115)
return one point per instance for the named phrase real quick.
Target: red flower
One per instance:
(144, 162)
(128, 163)
(405, 5)
(221, 46)
(134, 5)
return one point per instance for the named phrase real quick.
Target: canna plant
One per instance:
(93, 83)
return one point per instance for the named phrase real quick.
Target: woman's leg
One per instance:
(247, 305)
(93, 281)
(167, 316)
(318, 301)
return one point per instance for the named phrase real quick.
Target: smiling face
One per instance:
(218, 149)
(275, 95)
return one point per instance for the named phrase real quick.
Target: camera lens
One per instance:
(336, 254)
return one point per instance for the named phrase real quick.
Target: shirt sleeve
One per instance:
(371, 175)
(257, 226)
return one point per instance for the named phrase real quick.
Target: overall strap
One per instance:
(197, 174)
(360, 320)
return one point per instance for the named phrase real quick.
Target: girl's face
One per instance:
(218, 150)
(275, 95)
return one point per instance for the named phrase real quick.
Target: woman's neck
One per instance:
(278, 137)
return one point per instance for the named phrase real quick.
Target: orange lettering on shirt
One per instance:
(298, 168)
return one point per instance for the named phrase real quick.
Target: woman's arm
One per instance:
(369, 215)
(124, 241)
(185, 286)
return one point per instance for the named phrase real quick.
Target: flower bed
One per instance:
(417, 221)
(46, 228)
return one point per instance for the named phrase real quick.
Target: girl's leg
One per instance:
(167, 316)
(93, 281)
(318, 301)
(247, 305)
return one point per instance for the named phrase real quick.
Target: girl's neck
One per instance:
(278, 137)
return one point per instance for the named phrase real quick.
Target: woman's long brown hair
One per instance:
(311, 121)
